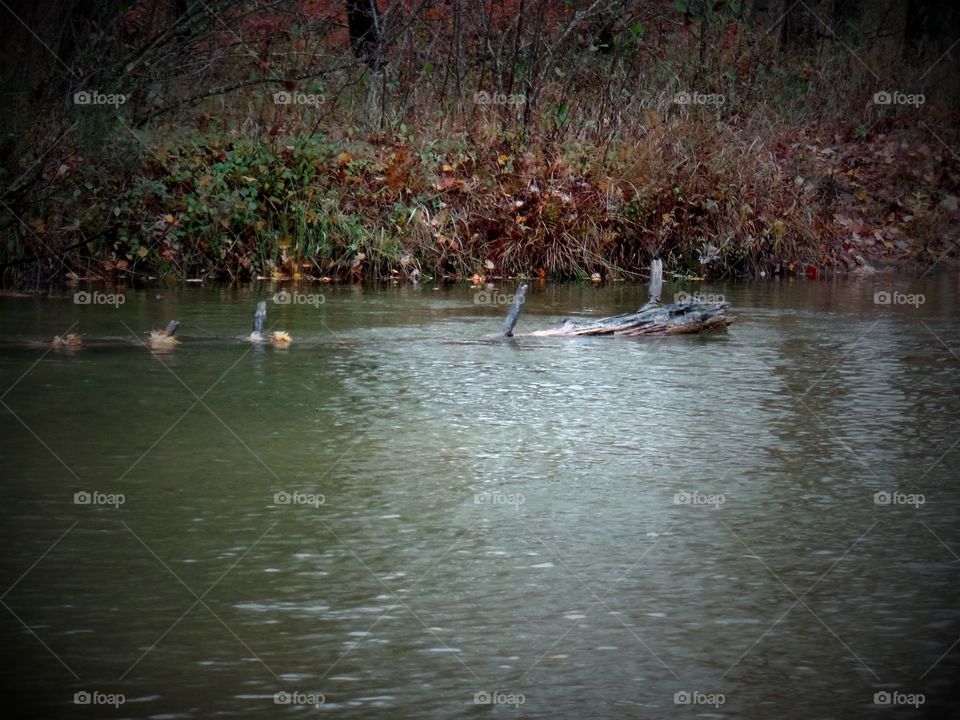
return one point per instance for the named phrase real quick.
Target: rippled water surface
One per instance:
(575, 527)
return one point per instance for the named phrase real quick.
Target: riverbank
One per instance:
(708, 144)
(708, 197)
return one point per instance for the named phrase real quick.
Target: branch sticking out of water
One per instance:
(515, 309)
(259, 318)
(656, 285)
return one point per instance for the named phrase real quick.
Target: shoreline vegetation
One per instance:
(325, 141)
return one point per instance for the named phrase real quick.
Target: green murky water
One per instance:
(398, 516)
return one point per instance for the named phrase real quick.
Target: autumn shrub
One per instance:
(456, 160)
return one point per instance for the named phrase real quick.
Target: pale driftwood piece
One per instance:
(675, 319)
(656, 284)
(515, 309)
(259, 318)
(653, 318)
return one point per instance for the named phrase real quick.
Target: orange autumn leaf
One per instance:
(448, 183)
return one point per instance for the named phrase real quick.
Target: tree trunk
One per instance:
(798, 26)
(362, 23)
(929, 22)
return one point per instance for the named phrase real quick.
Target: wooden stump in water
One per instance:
(515, 309)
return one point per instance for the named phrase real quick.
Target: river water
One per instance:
(402, 516)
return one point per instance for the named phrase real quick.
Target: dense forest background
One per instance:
(312, 139)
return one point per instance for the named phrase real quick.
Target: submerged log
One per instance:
(163, 339)
(277, 338)
(690, 316)
(674, 319)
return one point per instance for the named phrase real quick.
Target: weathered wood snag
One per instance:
(515, 309)
(690, 316)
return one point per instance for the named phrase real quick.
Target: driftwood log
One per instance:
(515, 309)
(690, 316)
